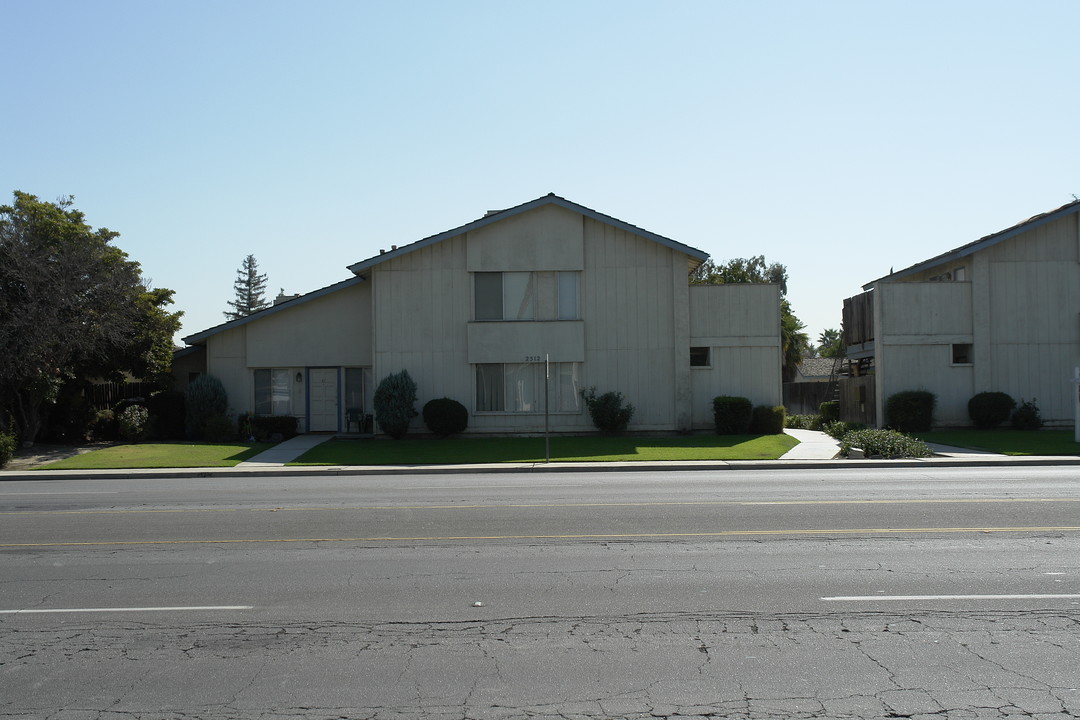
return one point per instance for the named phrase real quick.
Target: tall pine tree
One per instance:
(249, 286)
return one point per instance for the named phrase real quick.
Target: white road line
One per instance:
(35, 611)
(867, 598)
(64, 492)
(486, 487)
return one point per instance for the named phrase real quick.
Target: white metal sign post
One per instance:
(547, 402)
(1076, 404)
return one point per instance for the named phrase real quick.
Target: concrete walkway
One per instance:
(286, 451)
(813, 445)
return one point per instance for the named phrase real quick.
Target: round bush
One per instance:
(394, 400)
(767, 420)
(732, 415)
(608, 411)
(990, 409)
(910, 411)
(133, 421)
(830, 410)
(1026, 416)
(445, 416)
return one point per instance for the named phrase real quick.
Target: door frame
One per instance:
(307, 396)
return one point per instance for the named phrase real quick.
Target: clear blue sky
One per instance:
(839, 138)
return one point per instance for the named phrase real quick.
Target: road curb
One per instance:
(526, 468)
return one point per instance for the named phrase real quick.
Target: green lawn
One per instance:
(160, 455)
(1008, 442)
(456, 451)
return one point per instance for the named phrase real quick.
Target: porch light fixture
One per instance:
(299, 377)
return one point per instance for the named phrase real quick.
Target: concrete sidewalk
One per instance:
(286, 451)
(816, 451)
(813, 445)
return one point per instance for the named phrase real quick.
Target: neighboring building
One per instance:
(187, 364)
(473, 313)
(1001, 313)
(815, 382)
(818, 370)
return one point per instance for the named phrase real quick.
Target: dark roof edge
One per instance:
(983, 242)
(549, 199)
(203, 335)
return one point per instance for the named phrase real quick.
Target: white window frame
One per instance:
(970, 354)
(568, 295)
(708, 357)
(519, 294)
(279, 387)
(520, 388)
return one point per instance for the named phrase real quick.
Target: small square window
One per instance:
(961, 354)
(699, 357)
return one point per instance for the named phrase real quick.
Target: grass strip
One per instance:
(160, 455)
(1007, 441)
(471, 450)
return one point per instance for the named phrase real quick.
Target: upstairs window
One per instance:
(525, 296)
(504, 296)
(567, 300)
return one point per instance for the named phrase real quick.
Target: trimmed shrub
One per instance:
(104, 426)
(166, 415)
(204, 399)
(838, 429)
(830, 410)
(266, 427)
(990, 409)
(767, 420)
(219, 429)
(885, 444)
(394, 400)
(803, 422)
(610, 412)
(1026, 416)
(910, 411)
(7, 448)
(133, 422)
(732, 415)
(445, 416)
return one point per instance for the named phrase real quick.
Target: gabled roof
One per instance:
(549, 199)
(819, 367)
(984, 242)
(288, 304)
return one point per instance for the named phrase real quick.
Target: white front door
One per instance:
(323, 395)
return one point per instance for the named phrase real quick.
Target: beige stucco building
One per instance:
(998, 314)
(478, 312)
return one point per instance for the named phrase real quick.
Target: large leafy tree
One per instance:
(831, 343)
(249, 287)
(794, 341)
(72, 307)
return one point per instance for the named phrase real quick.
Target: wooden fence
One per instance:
(103, 396)
(857, 400)
(804, 398)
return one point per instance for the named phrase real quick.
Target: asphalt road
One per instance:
(847, 594)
